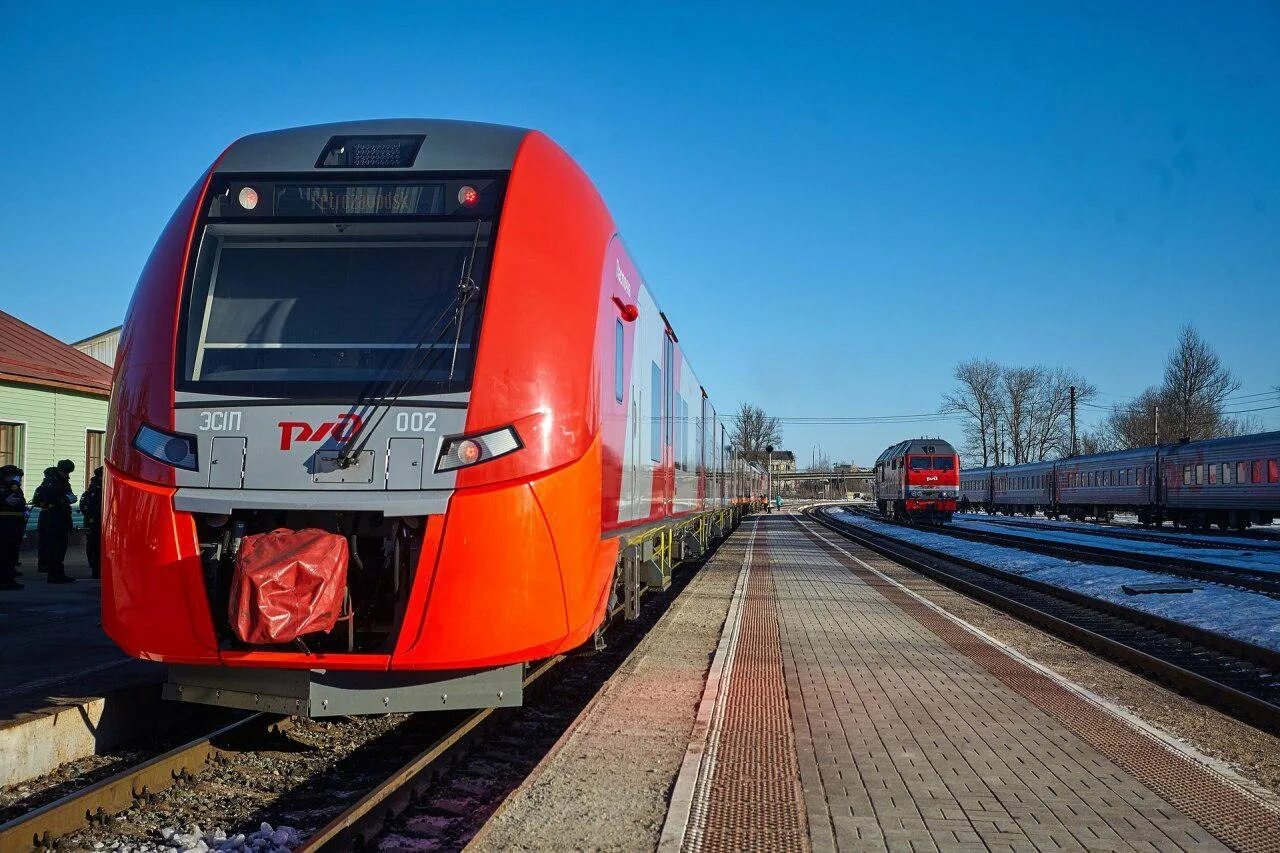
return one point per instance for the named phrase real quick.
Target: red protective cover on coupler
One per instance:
(287, 583)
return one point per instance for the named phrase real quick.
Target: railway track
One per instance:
(1134, 533)
(391, 786)
(1265, 583)
(95, 804)
(358, 824)
(1239, 678)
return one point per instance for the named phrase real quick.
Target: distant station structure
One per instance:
(101, 346)
(841, 480)
(53, 402)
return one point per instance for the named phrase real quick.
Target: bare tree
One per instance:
(1132, 423)
(1096, 441)
(1048, 432)
(754, 430)
(977, 399)
(1017, 408)
(1195, 387)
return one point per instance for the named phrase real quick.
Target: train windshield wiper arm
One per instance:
(375, 406)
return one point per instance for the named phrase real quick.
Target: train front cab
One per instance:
(440, 614)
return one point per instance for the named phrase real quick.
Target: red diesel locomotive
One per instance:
(918, 479)
(394, 414)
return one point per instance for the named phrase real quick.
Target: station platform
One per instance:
(841, 708)
(844, 711)
(57, 670)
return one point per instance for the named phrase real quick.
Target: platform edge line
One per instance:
(699, 757)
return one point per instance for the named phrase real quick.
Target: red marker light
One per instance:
(468, 451)
(248, 198)
(628, 311)
(468, 196)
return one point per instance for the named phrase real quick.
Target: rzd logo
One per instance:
(340, 430)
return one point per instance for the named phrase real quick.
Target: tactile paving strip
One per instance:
(755, 801)
(1229, 814)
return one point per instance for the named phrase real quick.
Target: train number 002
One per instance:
(220, 421)
(415, 421)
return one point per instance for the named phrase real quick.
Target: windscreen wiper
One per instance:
(378, 405)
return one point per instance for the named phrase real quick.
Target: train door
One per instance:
(704, 493)
(633, 462)
(668, 422)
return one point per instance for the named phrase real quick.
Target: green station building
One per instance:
(53, 403)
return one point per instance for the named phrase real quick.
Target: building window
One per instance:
(92, 453)
(619, 341)
(655, 410)
(11, 444)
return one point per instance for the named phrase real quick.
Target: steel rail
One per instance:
(97, 803)
(361, 822)
(1262, 535)
(1131, 533)
(1264, 583)
(1256, 710)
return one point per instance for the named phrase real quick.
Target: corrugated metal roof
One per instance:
(30, 356)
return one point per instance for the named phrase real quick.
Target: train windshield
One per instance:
(296, 310)
(932, 463)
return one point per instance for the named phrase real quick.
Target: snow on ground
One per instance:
(1244, 542)
(1240, 614)
(265, 840)
(1259, 560)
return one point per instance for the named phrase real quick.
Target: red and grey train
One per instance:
(426, 340)
(1231, 482)
(917, 479)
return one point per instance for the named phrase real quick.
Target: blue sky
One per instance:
(834, 204)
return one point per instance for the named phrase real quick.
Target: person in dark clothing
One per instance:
(91, 509)
(54, 499)
(13, 523)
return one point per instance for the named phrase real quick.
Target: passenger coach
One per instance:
(395, 413)
(1230, 482)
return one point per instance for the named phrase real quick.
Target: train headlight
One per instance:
(464, 450)
(171, 448)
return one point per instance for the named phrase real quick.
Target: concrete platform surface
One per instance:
(56, 665)
(870, 719)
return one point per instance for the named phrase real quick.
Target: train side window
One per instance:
(1242, 472)
(1273, 470)
(1213, 474)
(619, 340)
(1186, 476)
(1200, 474)
(655, 410)
(1227, 469)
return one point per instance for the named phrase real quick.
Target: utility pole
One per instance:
(1073, 420)
(768, 467)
